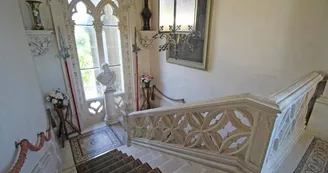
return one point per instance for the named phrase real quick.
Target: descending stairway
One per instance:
(137, 159)
(115, 162)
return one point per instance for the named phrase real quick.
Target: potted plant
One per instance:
(57, 98)
(146, 79)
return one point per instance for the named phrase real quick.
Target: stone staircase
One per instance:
(137, 159)
(115, 162)
(165, 163)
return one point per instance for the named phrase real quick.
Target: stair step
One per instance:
(122, 148)
(105, 163)
(128, 167)
(158, 161)
(82, 167)
(156, 170)
(140, 153)
(132, 150)
(214, 171)
(190, 168)
(144, 168)
(116, 165)
(150, 156)
(171, 165)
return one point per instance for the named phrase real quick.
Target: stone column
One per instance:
(111, 116)
(108, 78)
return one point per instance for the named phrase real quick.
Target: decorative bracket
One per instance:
(39, 41)
(146, 38)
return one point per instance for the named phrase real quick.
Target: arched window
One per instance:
(98, 41)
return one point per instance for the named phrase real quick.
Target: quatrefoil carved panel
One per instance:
(225, 130)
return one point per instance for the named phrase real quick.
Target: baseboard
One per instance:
(317, 122)
(50, 161)
(293, 158)
(323, 100)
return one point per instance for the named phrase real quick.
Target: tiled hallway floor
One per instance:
(68, 165)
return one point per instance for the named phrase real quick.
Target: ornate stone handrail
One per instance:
(296, 103)
(25, 146)
(225, 131)
(233, 133)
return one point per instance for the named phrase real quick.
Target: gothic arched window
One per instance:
(97, 39)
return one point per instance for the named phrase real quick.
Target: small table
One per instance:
(147, 94)
(62, 133)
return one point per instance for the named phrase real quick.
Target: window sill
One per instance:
(101, 97)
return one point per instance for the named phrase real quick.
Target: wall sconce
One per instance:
(177, 15)
(177, 23)
(185, 26)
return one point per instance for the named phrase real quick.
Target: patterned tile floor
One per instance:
(66, 153)
(315, 159)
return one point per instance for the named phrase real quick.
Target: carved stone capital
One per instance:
(39, 41)
(98, 25)
(146, 38)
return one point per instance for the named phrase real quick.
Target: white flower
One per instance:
(52, 94)
(59, 96)
(54, 101)
(48, 98)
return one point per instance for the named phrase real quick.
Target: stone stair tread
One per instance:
(144, 168)
(156, 170)
(190, 168)
(116, 165)
(140, 154)
(171, 165)
(121, 148)
(213, 171)
(158, 161)
(127, 167)
(132, 150)
(150, 156)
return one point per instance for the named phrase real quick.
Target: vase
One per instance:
(147, 85)
(59, 105)
(146, 15)
(35, 5)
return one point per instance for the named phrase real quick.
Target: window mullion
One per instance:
(99, 27)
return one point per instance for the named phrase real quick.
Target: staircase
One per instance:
(136, 159)
(236, 134)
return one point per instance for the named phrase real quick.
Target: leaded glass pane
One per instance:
(82, 17)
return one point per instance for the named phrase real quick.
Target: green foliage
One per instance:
(84, 52)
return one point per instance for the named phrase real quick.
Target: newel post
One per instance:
(260, 138)
(127, 127)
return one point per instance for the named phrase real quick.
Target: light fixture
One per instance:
(177, 24)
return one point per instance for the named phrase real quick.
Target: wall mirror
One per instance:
(185, 24)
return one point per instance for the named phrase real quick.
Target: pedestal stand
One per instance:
(111, 116)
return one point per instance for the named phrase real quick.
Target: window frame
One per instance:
(98, 27)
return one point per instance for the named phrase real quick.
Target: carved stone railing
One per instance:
(230, 134)
(296, 103)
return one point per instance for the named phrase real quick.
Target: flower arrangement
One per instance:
(57, 98)
(146, 79)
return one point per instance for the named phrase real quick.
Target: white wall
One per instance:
(256, 46)
(318, 121)
(49, 70)
(21, 103)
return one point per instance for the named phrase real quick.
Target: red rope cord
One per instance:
(73, 97)
(137, 83)
(176, 100)
(25, 146)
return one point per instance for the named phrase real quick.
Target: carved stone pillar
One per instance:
(111, 116)
(98, 25)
